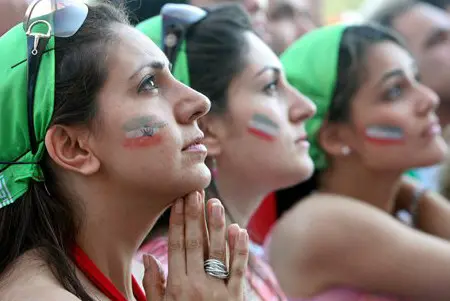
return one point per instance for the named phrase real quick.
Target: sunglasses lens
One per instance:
(69, 17)
(65, 16)
(181, 14)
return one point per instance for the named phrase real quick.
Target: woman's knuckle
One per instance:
(238, 272)
(175, 245)
(193, 243)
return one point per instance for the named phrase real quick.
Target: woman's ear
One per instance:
(332, 139)
(70, 149)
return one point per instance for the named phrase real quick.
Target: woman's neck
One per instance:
(112, 231)
(239, 208)
(239, 199)
(376, 188)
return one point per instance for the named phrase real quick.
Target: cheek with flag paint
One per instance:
(263, 127)
(143, 131)
(384, 134)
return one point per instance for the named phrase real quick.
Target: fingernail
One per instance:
(193, 200)
(217, 210)
(243, 238)
(179, 206)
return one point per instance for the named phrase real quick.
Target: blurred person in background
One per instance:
(11, 13)
(254, 133)
(426, 30)
(141, 10)
(257, 9)
(442, 4)
(317, 11)
(360, 231)
(288, 20)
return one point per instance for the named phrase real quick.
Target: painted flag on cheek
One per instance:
(263, 127)
(143, 132)
(385, 134)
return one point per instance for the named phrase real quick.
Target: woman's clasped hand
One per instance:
(193, 239)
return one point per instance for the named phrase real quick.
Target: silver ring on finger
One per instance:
(216, 269)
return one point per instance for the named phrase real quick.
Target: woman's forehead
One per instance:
(135, 48)
(384, 57)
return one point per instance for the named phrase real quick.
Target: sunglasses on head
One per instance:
(44, 19)
(177, 19)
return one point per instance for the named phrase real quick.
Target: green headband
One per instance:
(311, 65)
(14, 137)
(153, 29)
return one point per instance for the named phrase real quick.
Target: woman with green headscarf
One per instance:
(97, 139)
(375, 120)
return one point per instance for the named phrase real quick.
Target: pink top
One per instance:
(260, 286)
(345, 295)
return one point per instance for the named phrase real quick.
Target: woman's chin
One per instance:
(204, 177)
(435, 156)
(295, 174)
(305, 170)
(199, 179)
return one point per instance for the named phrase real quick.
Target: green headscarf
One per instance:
(14, 137)
(153, 29)
(311, 65)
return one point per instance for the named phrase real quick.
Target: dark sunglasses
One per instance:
(177, 19)
(43, 19)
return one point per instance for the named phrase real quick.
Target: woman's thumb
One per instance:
(154, 281)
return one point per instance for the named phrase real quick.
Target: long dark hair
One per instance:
(44, 219)
(355, 43)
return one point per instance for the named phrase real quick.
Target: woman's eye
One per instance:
(394, 93)
(271, 88)
(147, 84)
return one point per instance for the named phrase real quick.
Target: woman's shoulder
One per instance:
(328, 206)
(30, 278)
(324, 222)
(328, 236)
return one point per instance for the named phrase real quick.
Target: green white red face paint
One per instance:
(143, 131)
(384, 134)
(263, 127)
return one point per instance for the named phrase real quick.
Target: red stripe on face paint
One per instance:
(385, 141)
(261, 134)
(143, 141)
